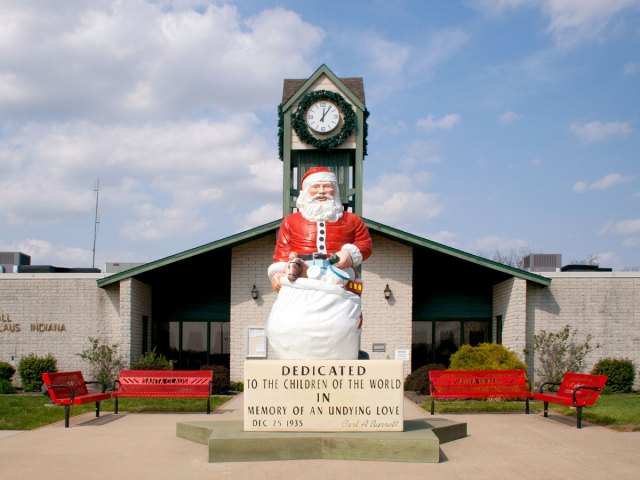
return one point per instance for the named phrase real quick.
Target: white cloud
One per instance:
(631, 68)
(261, 215)
(138, 59)
(419, 153)
(439, 48)
(509, 117)
(622, 227)
(431, 123)
(608, 181)
(43, 252)
(399, 200)
(164, 178)
(489, 244)
(572, 21)
(599, 132)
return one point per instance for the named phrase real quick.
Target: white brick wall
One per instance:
(510, 301)
(603, 304)
(71, 300)
(388, 321)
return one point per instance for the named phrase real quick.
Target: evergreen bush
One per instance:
(6, 387)
(418, 380)
(152, 361)
(31, 368)
(6, 371)
(236, 386)
(621, 373)
(486, 356)
(220, 380)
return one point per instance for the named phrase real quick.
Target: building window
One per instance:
(499, 329)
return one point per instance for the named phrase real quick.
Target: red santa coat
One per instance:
(297, 234)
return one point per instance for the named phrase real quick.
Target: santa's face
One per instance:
(321, 191)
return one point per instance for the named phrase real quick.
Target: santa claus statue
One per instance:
(317, 313)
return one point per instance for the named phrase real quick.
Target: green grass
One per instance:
(619, 411)
(26, 412)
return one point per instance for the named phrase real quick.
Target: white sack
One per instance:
(314, 320)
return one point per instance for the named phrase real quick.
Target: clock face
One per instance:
(323, 116)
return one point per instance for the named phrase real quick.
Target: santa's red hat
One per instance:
(318, 174)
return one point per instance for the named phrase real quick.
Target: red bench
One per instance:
(164, 384)
(459, 384)
(69, 388)
(576, 390)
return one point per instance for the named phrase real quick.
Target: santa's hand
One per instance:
(344, 259)
(275, 281)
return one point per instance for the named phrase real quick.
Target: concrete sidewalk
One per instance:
(144, 446)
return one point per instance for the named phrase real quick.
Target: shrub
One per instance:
(104, 362)
(6, 371)
(221, 381)
(6, 387)
(152, 361)
(236, 386)
(418, 380)
(486, 356)
(558, 353)
(31, 368)
(621, 373)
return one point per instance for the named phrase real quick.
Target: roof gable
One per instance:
(393, 233)
(352, 87)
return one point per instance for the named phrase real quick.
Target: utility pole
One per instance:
(95, 223)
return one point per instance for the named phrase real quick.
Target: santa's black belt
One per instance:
(313, 256)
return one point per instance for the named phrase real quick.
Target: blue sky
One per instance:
(508, 125)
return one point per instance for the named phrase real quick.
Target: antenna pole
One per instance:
(95, 224)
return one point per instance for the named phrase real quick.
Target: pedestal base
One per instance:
(418, 443)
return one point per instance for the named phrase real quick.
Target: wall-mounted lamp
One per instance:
(254, 292)
(387, 292)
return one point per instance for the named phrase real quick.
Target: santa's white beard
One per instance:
(315, 210)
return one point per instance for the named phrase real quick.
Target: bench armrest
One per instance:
(548, 383)
(72, 393)
(583, 387)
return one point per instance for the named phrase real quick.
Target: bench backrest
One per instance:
(477, 383)
(156, 382)
(584, 396)
(74, 379)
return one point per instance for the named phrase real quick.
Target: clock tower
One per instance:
(322, 123)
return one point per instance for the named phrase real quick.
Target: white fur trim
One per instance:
(319, 177)
(275, 268)
(356, 255)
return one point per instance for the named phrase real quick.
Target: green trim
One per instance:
(225, 242)
(394, 233)
(469, 257)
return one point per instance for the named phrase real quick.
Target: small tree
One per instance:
(558, 353)
(104, 362)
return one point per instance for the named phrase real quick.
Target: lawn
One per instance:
(619, 411)
(26, 412)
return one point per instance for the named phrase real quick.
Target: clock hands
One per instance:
(324, 113)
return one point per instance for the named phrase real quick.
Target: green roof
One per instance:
(385, 230)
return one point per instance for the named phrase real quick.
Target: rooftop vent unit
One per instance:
(543, 262)
(12, 261)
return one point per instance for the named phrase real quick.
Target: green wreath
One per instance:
(349, 120)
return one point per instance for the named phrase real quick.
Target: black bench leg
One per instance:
(97, 409)
(579, 415)
(115, 408)
(433, 407)
(208, 405)
(526, 409)
(66, 415)
(546, 408)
